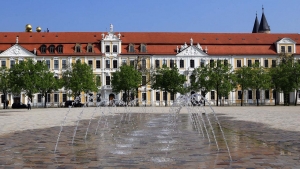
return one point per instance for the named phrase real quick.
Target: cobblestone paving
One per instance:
(145, 141)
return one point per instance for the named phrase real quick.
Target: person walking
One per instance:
(29, 103)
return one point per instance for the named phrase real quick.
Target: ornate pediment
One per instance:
(192, 51)
(286, 41)
(16, 51)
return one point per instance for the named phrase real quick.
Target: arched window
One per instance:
(51, 49)
(143, 48)
(131, 48)
(43, 48)
(78, 48)
(60, 49)
(89, 48)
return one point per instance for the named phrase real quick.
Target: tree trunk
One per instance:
(242, 98)
(45, 102)
(257, 96)
(275, 97)
(4, 100)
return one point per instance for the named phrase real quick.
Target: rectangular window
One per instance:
(143, 80)
(48, 97)
(165, 95)
(212, 63)
(124, 62)
(165, 62)
(131, 62)
(115, 48)
(212, 95)
(12, 63)
(63, 64)
(107, 80)
(202, 63)
(90, 63)
(266, 63)
(39, 98)
(225, 62)
(249, 94)
(48, 63)
(157, 96)
(238, 63)
(3, 63)
(157, 63)
(249, 63)
(144, 96)
(289, 49)
(98, 65)
(115, 64)
(273, 63)
(171, 63)
(144, 64)
(107, 64)
(267, 94)
(239, 95)
(257, 62)
(64, 97)
(107, 48)
(282, 49)
(56, 98)
(172, 96)
(218, 63)
(192, 63)
(55, 64)
(181, 63)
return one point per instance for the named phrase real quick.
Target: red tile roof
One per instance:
(157, 42)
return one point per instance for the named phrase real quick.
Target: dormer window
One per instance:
(43, 48)
(131, 48)
(78, 48)
(60, 49)
(89, 48)
(286, 45)
(282, 49)
(107, 48)
(51, 49)
(289, 49)
(115, 48)
(143, 48)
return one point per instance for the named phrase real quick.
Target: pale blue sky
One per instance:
(238, 16)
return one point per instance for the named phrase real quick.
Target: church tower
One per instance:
(263, 26)
(256, 25)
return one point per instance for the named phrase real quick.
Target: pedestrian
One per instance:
(29, 103)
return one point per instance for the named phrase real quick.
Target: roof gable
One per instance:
(191, 51)
(17, 51)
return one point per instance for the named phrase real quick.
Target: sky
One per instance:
(219, 16)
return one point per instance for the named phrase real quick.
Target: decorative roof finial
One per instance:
(17, 39)
(111, 28)
(191, 42)
(262, 8)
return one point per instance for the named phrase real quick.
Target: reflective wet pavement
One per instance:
(146, 141)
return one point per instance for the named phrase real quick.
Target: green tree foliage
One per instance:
(243, 78)
(4, 83)
(168, 80)
(221, 78)
(24, 76)
(126, 79)
(296, 78)
(260, 80)
(79, 78)
(47, 82)
(200, 80)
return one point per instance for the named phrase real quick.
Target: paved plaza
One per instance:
(260, 137)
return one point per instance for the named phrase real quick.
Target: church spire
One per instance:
(263, 26)
(256, 25)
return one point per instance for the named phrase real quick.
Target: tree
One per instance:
(296, 78)
(47, 82)
(243, 79)
(79, 78)
(221, 78)
(125, 79)
(200, 80)
(4, 84)
(168, 80)
(24, 77)
(260, 80)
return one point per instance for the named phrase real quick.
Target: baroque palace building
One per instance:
(105, 52)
